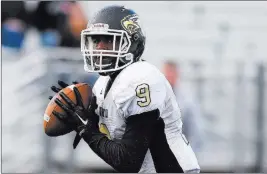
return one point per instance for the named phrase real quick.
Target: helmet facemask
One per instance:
(105, 50)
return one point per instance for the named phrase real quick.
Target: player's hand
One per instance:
(78, 117)
(62, 85)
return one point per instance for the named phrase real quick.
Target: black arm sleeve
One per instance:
(127, 154)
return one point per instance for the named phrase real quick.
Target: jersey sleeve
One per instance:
(140, 96)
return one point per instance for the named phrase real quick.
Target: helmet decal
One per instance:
(131, 23)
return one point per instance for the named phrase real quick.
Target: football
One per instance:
(52, 125)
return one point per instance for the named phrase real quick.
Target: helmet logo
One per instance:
(130, 23)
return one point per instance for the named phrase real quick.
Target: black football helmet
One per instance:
(112, 40)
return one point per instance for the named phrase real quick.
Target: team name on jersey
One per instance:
(103, 112)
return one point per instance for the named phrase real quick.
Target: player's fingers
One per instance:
(76, 141)
(67, 99)
(62, 84)
(50, 97)
(64, 107)
(55, 89)
(93, 103)
(60, 116)
(78, 97)
(89, 102)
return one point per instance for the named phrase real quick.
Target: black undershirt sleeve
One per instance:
(128, 153)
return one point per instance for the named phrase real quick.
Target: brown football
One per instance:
(52, 125)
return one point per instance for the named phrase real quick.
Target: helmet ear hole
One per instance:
(135, 37)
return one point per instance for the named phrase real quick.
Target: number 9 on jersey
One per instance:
(142, 92)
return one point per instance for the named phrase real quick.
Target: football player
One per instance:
(133, 122)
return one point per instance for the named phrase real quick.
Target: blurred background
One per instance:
(213, 53)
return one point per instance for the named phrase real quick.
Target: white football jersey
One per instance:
(140, 88)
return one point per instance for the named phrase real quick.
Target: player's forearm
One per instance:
(120, 156)
(128, 153)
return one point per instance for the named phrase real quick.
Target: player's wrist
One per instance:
(90, 127)
(92, 137)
